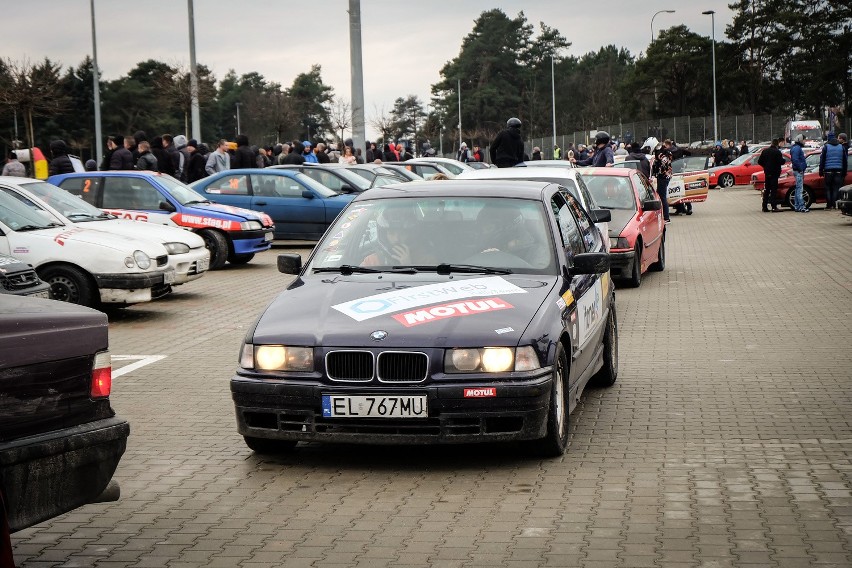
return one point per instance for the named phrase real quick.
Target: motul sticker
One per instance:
(454, 310)
(480, 393)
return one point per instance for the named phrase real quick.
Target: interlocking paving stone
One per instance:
(725, 443)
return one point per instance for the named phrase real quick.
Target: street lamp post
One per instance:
(652, 41)
(712, 15)
(239, 130)
(96, 88)
(553, 99)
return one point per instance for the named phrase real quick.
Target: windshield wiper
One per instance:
(37, 227)
(445, 268)
(347, 269)
(84, 216)
(194, 201)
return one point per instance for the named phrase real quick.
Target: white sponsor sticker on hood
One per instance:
(381, 304)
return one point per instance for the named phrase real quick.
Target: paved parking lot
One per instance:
(726, 441)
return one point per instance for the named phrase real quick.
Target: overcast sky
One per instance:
(405, 43)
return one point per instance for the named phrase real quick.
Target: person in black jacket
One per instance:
(244, 157)
(295, 155)
(122, 158)
(507, 149)
(164, 159)
(197, 161)
(113, 144)
(720, 155)
(61, 163)
(636, 154)
(771, 161)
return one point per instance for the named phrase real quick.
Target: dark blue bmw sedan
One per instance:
(440, 312)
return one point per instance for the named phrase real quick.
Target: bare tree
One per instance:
(33, 89)
(176, 88)
(340, 115)
(269, 107)
(383, 121)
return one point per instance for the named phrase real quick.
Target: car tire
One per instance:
(635, 279)
(269, 446)
(660, 265)
(790, 198)
(726, 180)
(238, 259)
(217, 244)
(70, 284)
(555, 441)
(807, 196)
(608, 374)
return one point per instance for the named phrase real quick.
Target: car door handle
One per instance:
(260, 203)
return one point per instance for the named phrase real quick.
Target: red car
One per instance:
(739, 171)
(813, 186)
(758, 179)
(637, 233)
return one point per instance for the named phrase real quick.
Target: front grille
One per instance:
(20, 280)
(349, 365)
(402, 366)
(162, 260)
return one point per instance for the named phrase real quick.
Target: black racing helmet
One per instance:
(602, 137)
(513, 123)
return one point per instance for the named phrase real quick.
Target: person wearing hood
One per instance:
(60, 163)
(295, 156)
(833, 165)
(463, 155)
(173, 154)
(307, 153)
(428, 151)
(183, 158)
(373, 153)
(797, 159)
(164, 159)
(388, 155)
(244, 156)
(720, 155)
(636, 154)
(197, 161)
(122, 158)
(507, 149)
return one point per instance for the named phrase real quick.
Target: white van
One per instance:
(810, 129)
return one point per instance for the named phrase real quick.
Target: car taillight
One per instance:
(102, 375)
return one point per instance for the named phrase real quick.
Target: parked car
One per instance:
(300, 208)
(401, 171)
(60, 441)
(570, 179)
(381, 174)
(758, 179)
(20, 279)
(546, 163)
(637, 232)
(451, 312)
(187, 254)
(480, 165)
(813, 185)
(231, 234)
(844, 200)
(84, 266)
(425, 170)
(454, 166)
(337, 179)
(739, 171)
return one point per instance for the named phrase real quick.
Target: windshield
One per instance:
(610, 192)
(425, 232)
(316, 186)
(20, 216)
(68, 204)
(742, 159)
(179, 191)
(354, 179)
(692, 164)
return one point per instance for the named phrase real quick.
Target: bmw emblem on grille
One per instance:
(378, 335)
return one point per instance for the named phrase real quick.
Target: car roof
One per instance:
(275, 171)
(520, 189)
(520, 173)
(115, 173)
(592, 171)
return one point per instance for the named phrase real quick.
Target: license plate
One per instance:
(374, 406)
(202, 265)
(42, 294)
(267, 236)
(169, 277)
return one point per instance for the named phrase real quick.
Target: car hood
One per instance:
(230, 212)
(620, 219)
(422, 310)
(145, 230)
(82, 235)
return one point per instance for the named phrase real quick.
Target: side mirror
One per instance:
(652, 205)
(346, 189)
(289, 263)
(166, 206)
(601, 215)
(307, 195)
(590, 263)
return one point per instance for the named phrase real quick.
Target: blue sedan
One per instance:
(301, 208)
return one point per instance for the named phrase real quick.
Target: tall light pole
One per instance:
(96, 87)
(239, 130)
(652, 41)
(712, 15)
(553, 99)
(460, 134)
(193, 76)
(356, 71)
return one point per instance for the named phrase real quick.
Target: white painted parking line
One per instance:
(141, 361)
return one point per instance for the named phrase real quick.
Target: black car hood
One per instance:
(472, 310)
(620, 219)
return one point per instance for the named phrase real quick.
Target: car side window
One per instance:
(89, 189)
(229, 185)
(276, 186)
(130, 193)
(646, 189)
(584, 191)
(590, 233)
(572, 240)
(329, 180)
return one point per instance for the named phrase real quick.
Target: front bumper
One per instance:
(250, 242)
(191, 265)
(292, 410)
(52, 473)
(621, 263)
(135, 288)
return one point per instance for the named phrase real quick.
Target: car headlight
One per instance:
(490, 360)
(251, 226)
(619, 243)
(277, 358)
(177, 248)
(143, 261)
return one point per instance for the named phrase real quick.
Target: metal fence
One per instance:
(684, 130)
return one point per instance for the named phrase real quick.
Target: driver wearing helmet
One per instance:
(603, 152)
(502, 229)
(394, 240)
